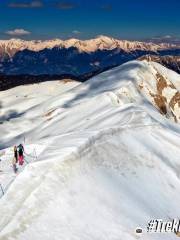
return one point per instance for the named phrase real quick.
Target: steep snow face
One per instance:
(10, 47)
(107, 159)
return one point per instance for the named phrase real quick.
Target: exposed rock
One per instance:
(163, 94)
(175, 100)
(171, 62)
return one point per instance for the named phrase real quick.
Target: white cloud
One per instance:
(33, 4)
(18, 32)
(167, 36)
(76, 32)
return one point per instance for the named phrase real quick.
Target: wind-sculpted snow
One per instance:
(108, 160)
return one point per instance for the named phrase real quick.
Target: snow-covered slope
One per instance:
(107, 159)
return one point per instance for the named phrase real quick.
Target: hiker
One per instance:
(21, 154)
(15, 159)
(16, 154)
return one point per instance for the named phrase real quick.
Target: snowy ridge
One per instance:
(106, 161)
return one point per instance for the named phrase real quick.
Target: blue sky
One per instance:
(131, 19)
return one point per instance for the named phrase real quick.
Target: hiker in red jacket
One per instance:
(21, 154)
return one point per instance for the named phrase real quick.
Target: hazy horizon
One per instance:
(160, 39)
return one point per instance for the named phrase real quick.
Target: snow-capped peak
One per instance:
(99, 43)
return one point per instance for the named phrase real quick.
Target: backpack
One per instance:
(20, 149)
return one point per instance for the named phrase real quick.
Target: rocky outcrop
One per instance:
(171, 62)
(164, 95)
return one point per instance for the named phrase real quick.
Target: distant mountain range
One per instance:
(75, 58)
